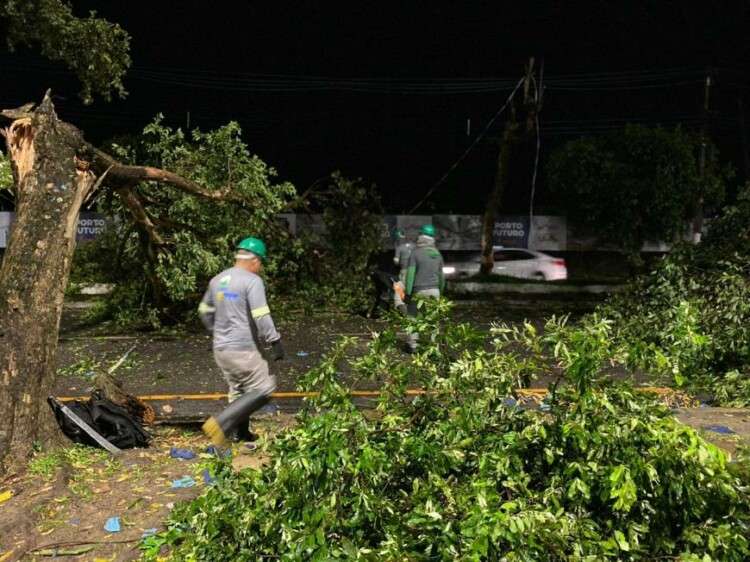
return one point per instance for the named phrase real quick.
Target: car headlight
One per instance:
(449, 269)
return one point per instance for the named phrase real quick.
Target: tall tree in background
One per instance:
(635, 185)
(96, 50)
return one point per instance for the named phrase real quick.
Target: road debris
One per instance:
(113, 525)
(184, 482)
(185, 454)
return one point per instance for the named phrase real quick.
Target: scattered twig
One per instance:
(122, 359)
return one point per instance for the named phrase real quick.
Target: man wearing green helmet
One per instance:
(235, 311)
(424, 274)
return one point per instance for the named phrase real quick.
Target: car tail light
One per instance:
(559, 262)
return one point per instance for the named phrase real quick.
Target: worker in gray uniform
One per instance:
(401, 255)
(235, 311)
(424, 274)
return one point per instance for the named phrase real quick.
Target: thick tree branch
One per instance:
(130, 174)
(139, 214)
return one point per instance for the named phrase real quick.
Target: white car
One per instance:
(513, 262)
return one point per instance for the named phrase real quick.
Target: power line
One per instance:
(538, 101)
(466, 152)
(280, 83)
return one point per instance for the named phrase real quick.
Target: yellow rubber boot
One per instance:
(213, 431)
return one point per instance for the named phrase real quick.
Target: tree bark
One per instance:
(51, 185)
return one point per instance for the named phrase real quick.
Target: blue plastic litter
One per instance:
(207, 478)
(75, 521)
(510, 402)
(544, 407)
(302, 354)
(149, 532)
(719, 429)
(186, 454)
(184, 482)
(113, 525)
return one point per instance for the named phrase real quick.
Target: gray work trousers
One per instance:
(412, 339)
(244, 371)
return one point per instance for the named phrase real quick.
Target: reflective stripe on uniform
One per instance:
(260, 311)
(204, 308)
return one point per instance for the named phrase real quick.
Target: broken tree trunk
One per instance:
(51, 185)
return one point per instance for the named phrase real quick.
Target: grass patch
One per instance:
(87, 462)
(45, 465)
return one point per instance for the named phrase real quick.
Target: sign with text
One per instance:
(90, 225)
(511, 231)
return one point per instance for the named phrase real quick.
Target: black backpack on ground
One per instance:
(109, 420)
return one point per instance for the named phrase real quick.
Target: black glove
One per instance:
(278, 350)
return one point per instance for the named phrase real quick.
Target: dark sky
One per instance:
(384, 90)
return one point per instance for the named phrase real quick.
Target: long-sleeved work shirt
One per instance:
(425, 268)
(233, 298)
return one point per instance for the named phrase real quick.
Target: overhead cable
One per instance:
(466, 152)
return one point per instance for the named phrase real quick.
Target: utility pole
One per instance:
(698, 219)
(509, 139)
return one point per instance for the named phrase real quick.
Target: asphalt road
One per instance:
(183, 364)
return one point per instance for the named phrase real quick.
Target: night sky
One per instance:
(384, 90)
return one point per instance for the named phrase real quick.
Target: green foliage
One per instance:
(689, 319)
(79, 457)
(6, 173)
(334, 268)
(462, 473)
(158, 281)
(84, 367)
(96, 50)
(634, 185)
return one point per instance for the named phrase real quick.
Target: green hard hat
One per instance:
(254, 245)
(398, 233)
(427, 230)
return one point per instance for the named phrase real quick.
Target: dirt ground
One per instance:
(59, 509)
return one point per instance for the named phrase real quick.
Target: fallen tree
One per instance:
(688, 320)
(163, 243)
(464, 473)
